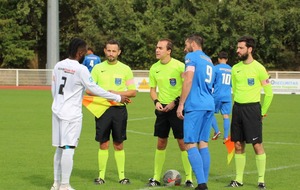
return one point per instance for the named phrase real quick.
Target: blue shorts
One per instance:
(197, 125)
(223, 107)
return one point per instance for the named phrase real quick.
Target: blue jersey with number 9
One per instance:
(200, 96)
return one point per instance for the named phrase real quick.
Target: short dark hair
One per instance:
(249, 40)
(112, 41)
(196, 38)
(223, 55)
(169, 43)
(75, 45)
(91, 49)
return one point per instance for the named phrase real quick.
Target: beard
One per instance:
(111, 59)
(81, 59)
(243, 57)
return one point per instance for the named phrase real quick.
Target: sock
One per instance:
(215, 124)
(226, 125)
(197, 164)
(261, 167)
(66, 165)
(204, 152)
(120, 160)
(159, 160)
(57, 165)
(240, 162)
(102, 162)
(186, 165)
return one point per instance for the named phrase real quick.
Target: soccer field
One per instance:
(26, 156)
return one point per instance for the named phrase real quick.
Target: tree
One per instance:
(139, 24)
(20, 31)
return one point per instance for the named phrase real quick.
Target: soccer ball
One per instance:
(172, 178)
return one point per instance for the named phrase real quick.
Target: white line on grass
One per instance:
(137, 132)
(281, 143)
(254, 172)
(224, 176)
(145, 118)
(232, 175)
(150, 188)
(141, 118)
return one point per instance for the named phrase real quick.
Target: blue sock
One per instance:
(215, 124)
(226, 127)
(204, 152)
(197, 164)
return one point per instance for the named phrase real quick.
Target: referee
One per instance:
(248, 78)
(166, 76)
(116, 77)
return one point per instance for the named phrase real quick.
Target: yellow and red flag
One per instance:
(98, 105)
(230, 149)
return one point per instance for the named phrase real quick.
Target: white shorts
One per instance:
(65, 132)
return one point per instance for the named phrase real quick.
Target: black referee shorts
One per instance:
(246, 123)
(167, 120)
(112, 122)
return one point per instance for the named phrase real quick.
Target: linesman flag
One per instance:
(230, 149)
(98, 105)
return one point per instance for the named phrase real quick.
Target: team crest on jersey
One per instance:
(118, 81)
(250, 81)
(187, 61)
(172, 81)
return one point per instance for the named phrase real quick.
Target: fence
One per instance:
(37, 77)
(285, 82)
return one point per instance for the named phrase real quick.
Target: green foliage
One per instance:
(20, 32)
(139, 24)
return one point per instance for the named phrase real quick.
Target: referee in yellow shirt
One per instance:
(116, 77)
(166, 76)
(248, 78)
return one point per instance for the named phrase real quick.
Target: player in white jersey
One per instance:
(70, 79)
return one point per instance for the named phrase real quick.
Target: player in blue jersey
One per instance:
(222, 95)
(198, 104)
(91, 59)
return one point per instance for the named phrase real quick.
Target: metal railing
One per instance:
(37, 77)
(42, 77)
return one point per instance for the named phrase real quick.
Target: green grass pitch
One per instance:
(26, 156)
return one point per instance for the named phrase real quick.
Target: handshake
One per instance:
(125, 99)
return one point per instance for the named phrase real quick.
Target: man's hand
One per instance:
(124, 99)
(158, 106)
(169, 107)
(179, 111)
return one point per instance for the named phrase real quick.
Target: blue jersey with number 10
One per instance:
(200, 96)
(222, 84)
